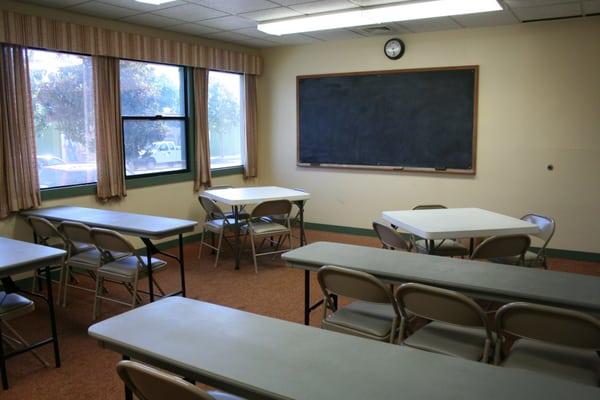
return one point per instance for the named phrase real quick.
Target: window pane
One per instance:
(224, 119)
(151, 89)
(63, 111)
(154, 146)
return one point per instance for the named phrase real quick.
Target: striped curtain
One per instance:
(109, 140)
(250, 155)
(19, 185)
(202, 162)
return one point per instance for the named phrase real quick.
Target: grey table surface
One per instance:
(265, 358)
(476, 278)
(147, 226)
(17, 256)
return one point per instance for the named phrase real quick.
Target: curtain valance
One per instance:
(47, 33)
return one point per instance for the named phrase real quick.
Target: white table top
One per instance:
(146, 226)
(503, 283)
(17, 256)
(265, 358)
(254, 194)
(457, 223)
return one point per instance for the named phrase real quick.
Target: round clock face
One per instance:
(394, 48)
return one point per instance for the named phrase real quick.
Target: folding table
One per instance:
(484, 280)
(17, 257)
(457, 223)
(146, 227)
(258, 357)
(238, 197)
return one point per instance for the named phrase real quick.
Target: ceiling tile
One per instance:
(368, 3)
(55, 3)
(228, 23)
(190, 12)
(591, 7)
(228, 36)
(291, 2)
(255, 33)
(430, 24)
(192, 29)
(254, 42)
(236, 6)
(136, 5)
(323, 6)
(503, 17)
(334, 34)
(152, 20)
(271, 13)
(102, 10)
(378, 30)
(551, 11)
(531, 3)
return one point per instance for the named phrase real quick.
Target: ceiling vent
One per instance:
(374, 30)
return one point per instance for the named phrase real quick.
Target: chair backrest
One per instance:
(212, 210)
(429, 207)
(108, 240)
(389, 238)
(545, 224)
(549, 324)
(46, 231)
(353, 284)
(438, 304)
(75, 232)
(281, 208)
(148, 383)
(502, 246)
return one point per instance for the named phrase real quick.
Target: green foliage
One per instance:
(223, 121)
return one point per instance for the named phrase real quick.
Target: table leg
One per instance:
(3, 363)
(306, 297)
(128, 394)
(471, 245)
(302, 233)
(149, 266)
(431, 247)
(50, 301)
(236, 219)
(181, 265)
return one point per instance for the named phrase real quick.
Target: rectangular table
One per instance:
(484, 280)
(17, 257)
(258, 357)
(238, 197)
(457, 223)
(146, 227)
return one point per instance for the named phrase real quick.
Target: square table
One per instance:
(146, 227)
(17, 257)
(457, 223)
(238, 197)
(259, 357)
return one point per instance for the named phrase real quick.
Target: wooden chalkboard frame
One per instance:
(470, 171)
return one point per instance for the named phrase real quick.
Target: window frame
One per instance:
(232, 169)
(186, 123)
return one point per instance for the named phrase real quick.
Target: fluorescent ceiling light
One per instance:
(378, 15)
(155, 2)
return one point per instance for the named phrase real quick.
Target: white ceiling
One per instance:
(235, 20)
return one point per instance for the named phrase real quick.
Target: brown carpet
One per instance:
(88, 372)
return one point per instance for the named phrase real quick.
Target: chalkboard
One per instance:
(412, 120)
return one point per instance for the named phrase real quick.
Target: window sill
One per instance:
(90, 188)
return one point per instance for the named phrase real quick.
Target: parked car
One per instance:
(48, 160)
(160, 154)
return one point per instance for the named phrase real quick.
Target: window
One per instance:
(153, 110)
(62, 92)
(224, 119)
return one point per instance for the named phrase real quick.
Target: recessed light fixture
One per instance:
(378, 15)
(155, 2)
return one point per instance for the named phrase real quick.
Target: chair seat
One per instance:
(126, 268)
(358, 321)
(81, 246)
(265, 228)
(569, 363)
(242, 215)
(448, 339)
(223, 396)
(443, 247)
(377, 310)
(13, 305)
(216, 225)
(90, 260)
(530, 259)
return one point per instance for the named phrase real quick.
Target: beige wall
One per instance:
(539, 104)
